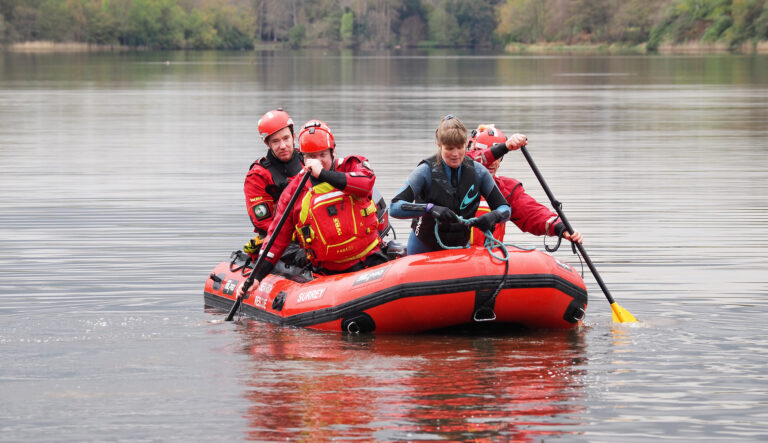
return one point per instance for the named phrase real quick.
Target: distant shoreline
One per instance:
(693, 48)
(44, 46)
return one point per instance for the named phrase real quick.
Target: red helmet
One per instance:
(485, 136)
(316, 136)
(274, 121)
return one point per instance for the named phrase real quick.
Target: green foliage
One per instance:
(25, 21)
(443, 26)
(413, 31)
(761, 24)
(475, 20)
(716, 29)
(746, 20)
(55, 21)
(234, 28)
(588, 19)
(692, 19)
(3, 30)
(632, 21)
(323, 21)
(297, 35)
(154, 23)
(523, 21)
(101, 26)
(347, 30)
(235, 24)
(200, 32)
(658, 33)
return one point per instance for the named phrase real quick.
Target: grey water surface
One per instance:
(121, 187)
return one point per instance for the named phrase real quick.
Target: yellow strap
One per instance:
(253, 245)
(322, 188)
(369, 210)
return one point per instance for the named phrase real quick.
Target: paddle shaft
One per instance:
(558, 207)
(263, 253)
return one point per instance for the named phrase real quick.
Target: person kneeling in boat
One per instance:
(334, 218)
(268, 177)
(444, 186)
(487, 146)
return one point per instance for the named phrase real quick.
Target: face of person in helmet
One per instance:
(281, 144)
(325, 157)
(493, 168)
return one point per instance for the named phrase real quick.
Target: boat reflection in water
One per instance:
(312, 386)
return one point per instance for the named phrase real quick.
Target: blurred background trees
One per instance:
(242, 24)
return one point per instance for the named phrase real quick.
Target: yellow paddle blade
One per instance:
(621, 315)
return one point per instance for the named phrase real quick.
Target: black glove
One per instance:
(443, 214)
(487, 222)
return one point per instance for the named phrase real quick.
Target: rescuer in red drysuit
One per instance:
(487, 146)
(334, 218)
(268, 177)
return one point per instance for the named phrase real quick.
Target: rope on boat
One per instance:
(557, 246)
(484, 312)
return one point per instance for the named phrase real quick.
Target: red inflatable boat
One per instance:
(437, 290)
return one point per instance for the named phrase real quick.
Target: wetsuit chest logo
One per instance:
(468, 199)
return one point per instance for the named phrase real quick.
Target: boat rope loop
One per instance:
(485, 311)
(557, 246)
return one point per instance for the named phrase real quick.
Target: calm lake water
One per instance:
(121, 187)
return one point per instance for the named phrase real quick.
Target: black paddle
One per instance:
(264, 250)
(620, 315)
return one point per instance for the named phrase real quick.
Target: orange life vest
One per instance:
(477, 238)
(336, 227)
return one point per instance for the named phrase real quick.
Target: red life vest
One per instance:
(336, 227)
(477, 238)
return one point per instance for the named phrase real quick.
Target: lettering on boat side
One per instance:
(370, 276)
(310, 295)
(266, 287)
(260, 302)
(230, 286)
(564, 266)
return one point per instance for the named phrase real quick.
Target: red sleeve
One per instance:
(527, 214)
(259, 204)
(360, 176)
(283, 237)
(485, 157)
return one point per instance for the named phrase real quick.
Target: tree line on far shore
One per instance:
(368, 24)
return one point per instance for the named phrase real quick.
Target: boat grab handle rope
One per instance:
(485, 311)
(557, 246)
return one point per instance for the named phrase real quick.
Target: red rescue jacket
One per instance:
(527, 214)
(338, 238)
(264, 183)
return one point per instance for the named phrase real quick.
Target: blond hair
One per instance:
(450, 132)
